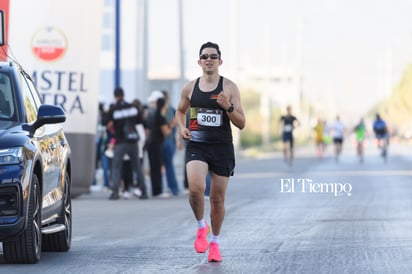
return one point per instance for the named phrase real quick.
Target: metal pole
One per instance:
(181, 45)
(145, 57)
(117, 45)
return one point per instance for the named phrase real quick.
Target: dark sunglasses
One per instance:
(212, 56)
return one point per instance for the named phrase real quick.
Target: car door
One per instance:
(47, 140)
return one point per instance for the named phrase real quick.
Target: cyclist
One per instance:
(381, 133)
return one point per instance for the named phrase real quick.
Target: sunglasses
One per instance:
(212, 56)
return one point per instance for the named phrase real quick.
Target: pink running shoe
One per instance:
(214, 253)
(201, 243)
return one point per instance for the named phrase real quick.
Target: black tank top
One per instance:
(209, 123)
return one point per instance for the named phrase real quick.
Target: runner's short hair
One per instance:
(210, 45)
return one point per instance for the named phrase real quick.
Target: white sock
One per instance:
(201, 223)
(215, 239)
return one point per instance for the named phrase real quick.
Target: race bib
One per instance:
(209, 117)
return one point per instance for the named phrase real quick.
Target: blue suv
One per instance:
(35, 171)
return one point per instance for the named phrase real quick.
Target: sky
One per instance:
(351, 52)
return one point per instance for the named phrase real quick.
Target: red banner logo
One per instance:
(49, 44)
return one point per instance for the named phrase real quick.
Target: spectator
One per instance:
(169, 147)
(158, 132)
(124, 117)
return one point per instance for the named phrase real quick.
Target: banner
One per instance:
(58, 42)
(4, 6)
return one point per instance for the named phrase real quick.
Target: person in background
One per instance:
(289, 123)
(360, 135)
(127, 176)
(106, 161)
(98, 142)
(140, 129)
(123, 118)
(338, 131)
(381, 134)
(327, 139)
(214, 104)
(140, 187)
(159, 130)
(169, 147)
(101, 138)
(319, 138)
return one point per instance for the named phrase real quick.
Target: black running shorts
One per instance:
(220, 157)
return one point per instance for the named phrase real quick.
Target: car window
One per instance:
(31, 99)
(7, 108)
(33, 91)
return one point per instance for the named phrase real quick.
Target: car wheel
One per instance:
(61, 241)
(27, 247)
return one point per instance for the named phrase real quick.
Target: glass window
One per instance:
(108, 2)
(7, 106)
(107, 42)
(108, 25)
(31, 99)
(34, 92)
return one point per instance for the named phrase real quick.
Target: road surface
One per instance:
(317, 216)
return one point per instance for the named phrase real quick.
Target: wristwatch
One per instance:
(230, 109)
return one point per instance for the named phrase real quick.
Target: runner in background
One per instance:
(338, 131)
(319, 138)
(289, 124)
(360, 134)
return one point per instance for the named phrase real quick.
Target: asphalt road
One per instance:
(317, 216)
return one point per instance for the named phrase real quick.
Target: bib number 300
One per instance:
(209, 117)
